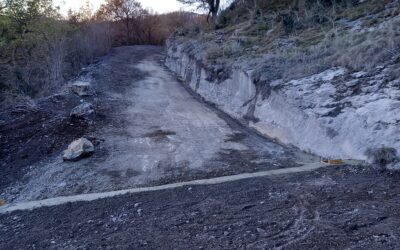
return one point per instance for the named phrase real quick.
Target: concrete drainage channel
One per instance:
(212, 181)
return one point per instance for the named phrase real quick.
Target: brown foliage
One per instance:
(134, 25)
(40, 51)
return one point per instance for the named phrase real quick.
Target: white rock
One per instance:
(359, 74)
(394, 166)
(78, 149)
(83, 111)
(321, 113)
(82, 88)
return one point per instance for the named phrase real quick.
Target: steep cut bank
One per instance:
(332, 110)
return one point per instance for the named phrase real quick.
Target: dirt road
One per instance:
(149, 130)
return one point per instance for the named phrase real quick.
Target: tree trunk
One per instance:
(127, 31)
(213, 12)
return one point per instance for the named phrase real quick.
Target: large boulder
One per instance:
(78, 149)
(82, 88)
(83, 111)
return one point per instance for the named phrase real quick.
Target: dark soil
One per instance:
(30, 134)
(333, 208)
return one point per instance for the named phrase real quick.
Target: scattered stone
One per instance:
(261, 231)
(394, 166)
(2, 202)
(82, 88)
(78, 149)
(83, 111)
(359, 74)
(143, 242)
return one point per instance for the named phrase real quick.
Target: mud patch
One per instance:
(112, 173)
(159, 135)
(131, 173)
(236, 137)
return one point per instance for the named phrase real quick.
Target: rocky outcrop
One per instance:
(83, 111)
(78, 149)
(336, 113)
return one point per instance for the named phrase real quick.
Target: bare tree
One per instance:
(124, 11)
(212, 6)
(3, 5)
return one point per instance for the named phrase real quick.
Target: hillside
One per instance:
(321, 75)
(276, 126)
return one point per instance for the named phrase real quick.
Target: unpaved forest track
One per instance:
(150, 131)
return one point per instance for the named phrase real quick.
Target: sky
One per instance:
(160, 6)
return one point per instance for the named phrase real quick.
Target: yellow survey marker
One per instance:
(333, 161)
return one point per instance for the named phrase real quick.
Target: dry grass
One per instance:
(260, 40)
(359, 51)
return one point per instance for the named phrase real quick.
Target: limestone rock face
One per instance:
(78, 149)
(82, 88)
(336, 113)
(83, 111)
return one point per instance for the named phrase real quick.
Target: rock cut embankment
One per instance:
(335, 113)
